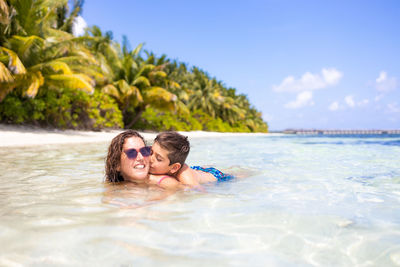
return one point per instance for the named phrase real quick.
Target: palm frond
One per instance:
(84, 53)
(5, 89)
(251, 124)
(95, 31)
(174, 85)
(162, 61)
(183, 95)
(124, 87)
(56, 34)
(27, 47)
(141, 81)
(77, 8)
(133, 98)
(5, 74)
(35, 80)
(137, 95)
(105, 68)
(160, 98)
(53, 67)
(182, 108)
(135, 52)
(95, 72)
(69, 47)
(158, 74)
(126, 95)
(14, 63)
(74, 60)
(4, 17)
(150, 58)
(144, 70)
(73, 81)
(111, 52)
(240, 112)
(111, 90)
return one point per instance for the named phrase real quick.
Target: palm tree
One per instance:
(35, 17)
(5, 21)
(66, 21)
(205, 93)
(178, 81)
(36, 62)
(136, 83)
(32, 60)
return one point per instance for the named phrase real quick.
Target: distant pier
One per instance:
(340, 132)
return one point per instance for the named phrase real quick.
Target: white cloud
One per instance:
(309, 81)
(378, 97)
(78, 28)
(303, 99)
(363, 102)
(384, 83)
(334, 106)
(393, 108)
(349, 101)
(331, 76)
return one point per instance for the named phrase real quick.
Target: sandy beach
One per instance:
(23, 136)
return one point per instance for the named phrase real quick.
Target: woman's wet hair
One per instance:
(177, 145)
(113, 159)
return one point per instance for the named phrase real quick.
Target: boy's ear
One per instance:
(175, 167)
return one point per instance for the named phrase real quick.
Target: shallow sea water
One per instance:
(304, 201)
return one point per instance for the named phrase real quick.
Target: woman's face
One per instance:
(137, 169)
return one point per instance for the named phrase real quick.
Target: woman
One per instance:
(128, 159)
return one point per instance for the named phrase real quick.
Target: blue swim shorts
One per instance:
(217, 173)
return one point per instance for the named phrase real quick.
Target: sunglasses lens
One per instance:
(145, 151)
(131, 153)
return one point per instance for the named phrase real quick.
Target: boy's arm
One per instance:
(167, 182)
(171, 184)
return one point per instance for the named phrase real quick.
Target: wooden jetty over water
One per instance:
(339, 132)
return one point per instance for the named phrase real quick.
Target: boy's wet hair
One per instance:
(177, 145)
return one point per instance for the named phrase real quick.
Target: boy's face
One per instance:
(159, 161)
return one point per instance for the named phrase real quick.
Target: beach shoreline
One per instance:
(27, 136)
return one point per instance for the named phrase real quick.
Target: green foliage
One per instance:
(104, 112)
(63, 109)
(13, 110)
(156, 120)
(39, 57)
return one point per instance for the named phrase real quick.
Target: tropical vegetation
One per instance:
(50, 77)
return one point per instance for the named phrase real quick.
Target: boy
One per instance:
(169, 152)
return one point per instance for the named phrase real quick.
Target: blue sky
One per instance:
(303, 64)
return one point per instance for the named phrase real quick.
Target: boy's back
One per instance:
(191, 177)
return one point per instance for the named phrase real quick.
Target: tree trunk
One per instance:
(135, 119)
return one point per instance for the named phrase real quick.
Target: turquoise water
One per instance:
(304, 201)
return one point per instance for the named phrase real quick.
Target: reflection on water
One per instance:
(307, 200)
